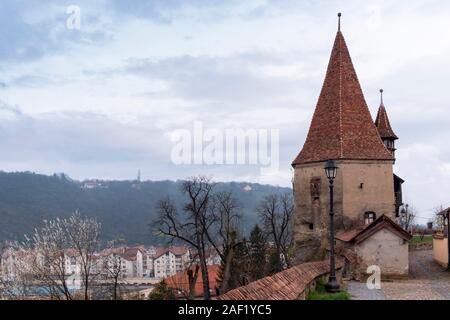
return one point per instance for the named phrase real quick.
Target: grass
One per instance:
(321, 294)
(426, 239)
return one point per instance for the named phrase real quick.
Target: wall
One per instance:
(311, 198)
(440, 249)
(292, 284)
(386, 250)
(377, 192)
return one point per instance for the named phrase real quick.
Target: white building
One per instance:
(166, 262)
(72, 262)
(135, 262)
(131, 261)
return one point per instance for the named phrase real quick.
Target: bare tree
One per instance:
(224, 236)
(190, 272)
(407, 217)
(112, 267)
(41, 260)
(43, 256)
(193, 226)
(276, 212)
(14, 273)
(83, 234)
(439, 218)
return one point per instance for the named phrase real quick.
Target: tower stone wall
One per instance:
(361, 186)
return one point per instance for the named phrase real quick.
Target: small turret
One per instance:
(384, 127)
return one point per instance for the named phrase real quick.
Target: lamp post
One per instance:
(331, 171)
(447, 223)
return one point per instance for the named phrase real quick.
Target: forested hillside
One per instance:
(124, 209)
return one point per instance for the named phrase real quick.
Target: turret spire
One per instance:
(339, 21)
(384, 127)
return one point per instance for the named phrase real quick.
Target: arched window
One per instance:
(369, 217)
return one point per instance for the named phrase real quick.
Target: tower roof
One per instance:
(342, 127)
(383, 124)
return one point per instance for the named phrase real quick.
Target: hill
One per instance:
(125, 209)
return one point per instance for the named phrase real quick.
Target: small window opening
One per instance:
(369, 217)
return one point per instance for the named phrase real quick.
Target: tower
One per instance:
(384, 127)
(341, 129)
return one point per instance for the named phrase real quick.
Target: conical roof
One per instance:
(342, 127)
(383, 124)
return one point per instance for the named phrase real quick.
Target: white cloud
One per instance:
(101, 102)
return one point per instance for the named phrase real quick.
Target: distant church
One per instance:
(365, 188)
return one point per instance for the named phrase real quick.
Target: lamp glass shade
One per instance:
(331, 169)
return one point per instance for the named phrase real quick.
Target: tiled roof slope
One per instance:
(342, 127)
(285, 285)
(362, 233)
(180, 281)
(383, 124)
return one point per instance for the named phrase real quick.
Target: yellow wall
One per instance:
(440, 249)
(350, 201)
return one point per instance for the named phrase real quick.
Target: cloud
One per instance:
(102, 101)
(33, 29)
(81, 140)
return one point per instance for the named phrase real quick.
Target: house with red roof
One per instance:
(180, 283)
(381, 243)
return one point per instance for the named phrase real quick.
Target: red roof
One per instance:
(286, 285)
(383, 124)
(342, 127)
(130, 254)
(180, 281)
(362, 233)
(178, 251)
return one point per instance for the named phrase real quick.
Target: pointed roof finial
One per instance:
(381, 92)
(339, 21)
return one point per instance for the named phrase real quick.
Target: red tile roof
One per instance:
(383, 124)
(178, 251)
(285, 285)
(360, 234)
(342, 127)
(130, 254)
(180, 281)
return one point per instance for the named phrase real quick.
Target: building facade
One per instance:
(169, 261)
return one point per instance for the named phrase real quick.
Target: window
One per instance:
(389, 144)
(369, 217)
(311, 226)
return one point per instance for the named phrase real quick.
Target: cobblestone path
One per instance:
(427, 281)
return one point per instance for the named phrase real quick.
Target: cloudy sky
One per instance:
(102, 101)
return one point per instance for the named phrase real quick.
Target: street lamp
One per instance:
(331, 171)
(447, 223)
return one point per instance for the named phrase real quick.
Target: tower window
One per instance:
(389, 143)
(369, 217)
(311, 226)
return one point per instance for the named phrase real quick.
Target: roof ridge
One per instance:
(340, 94)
